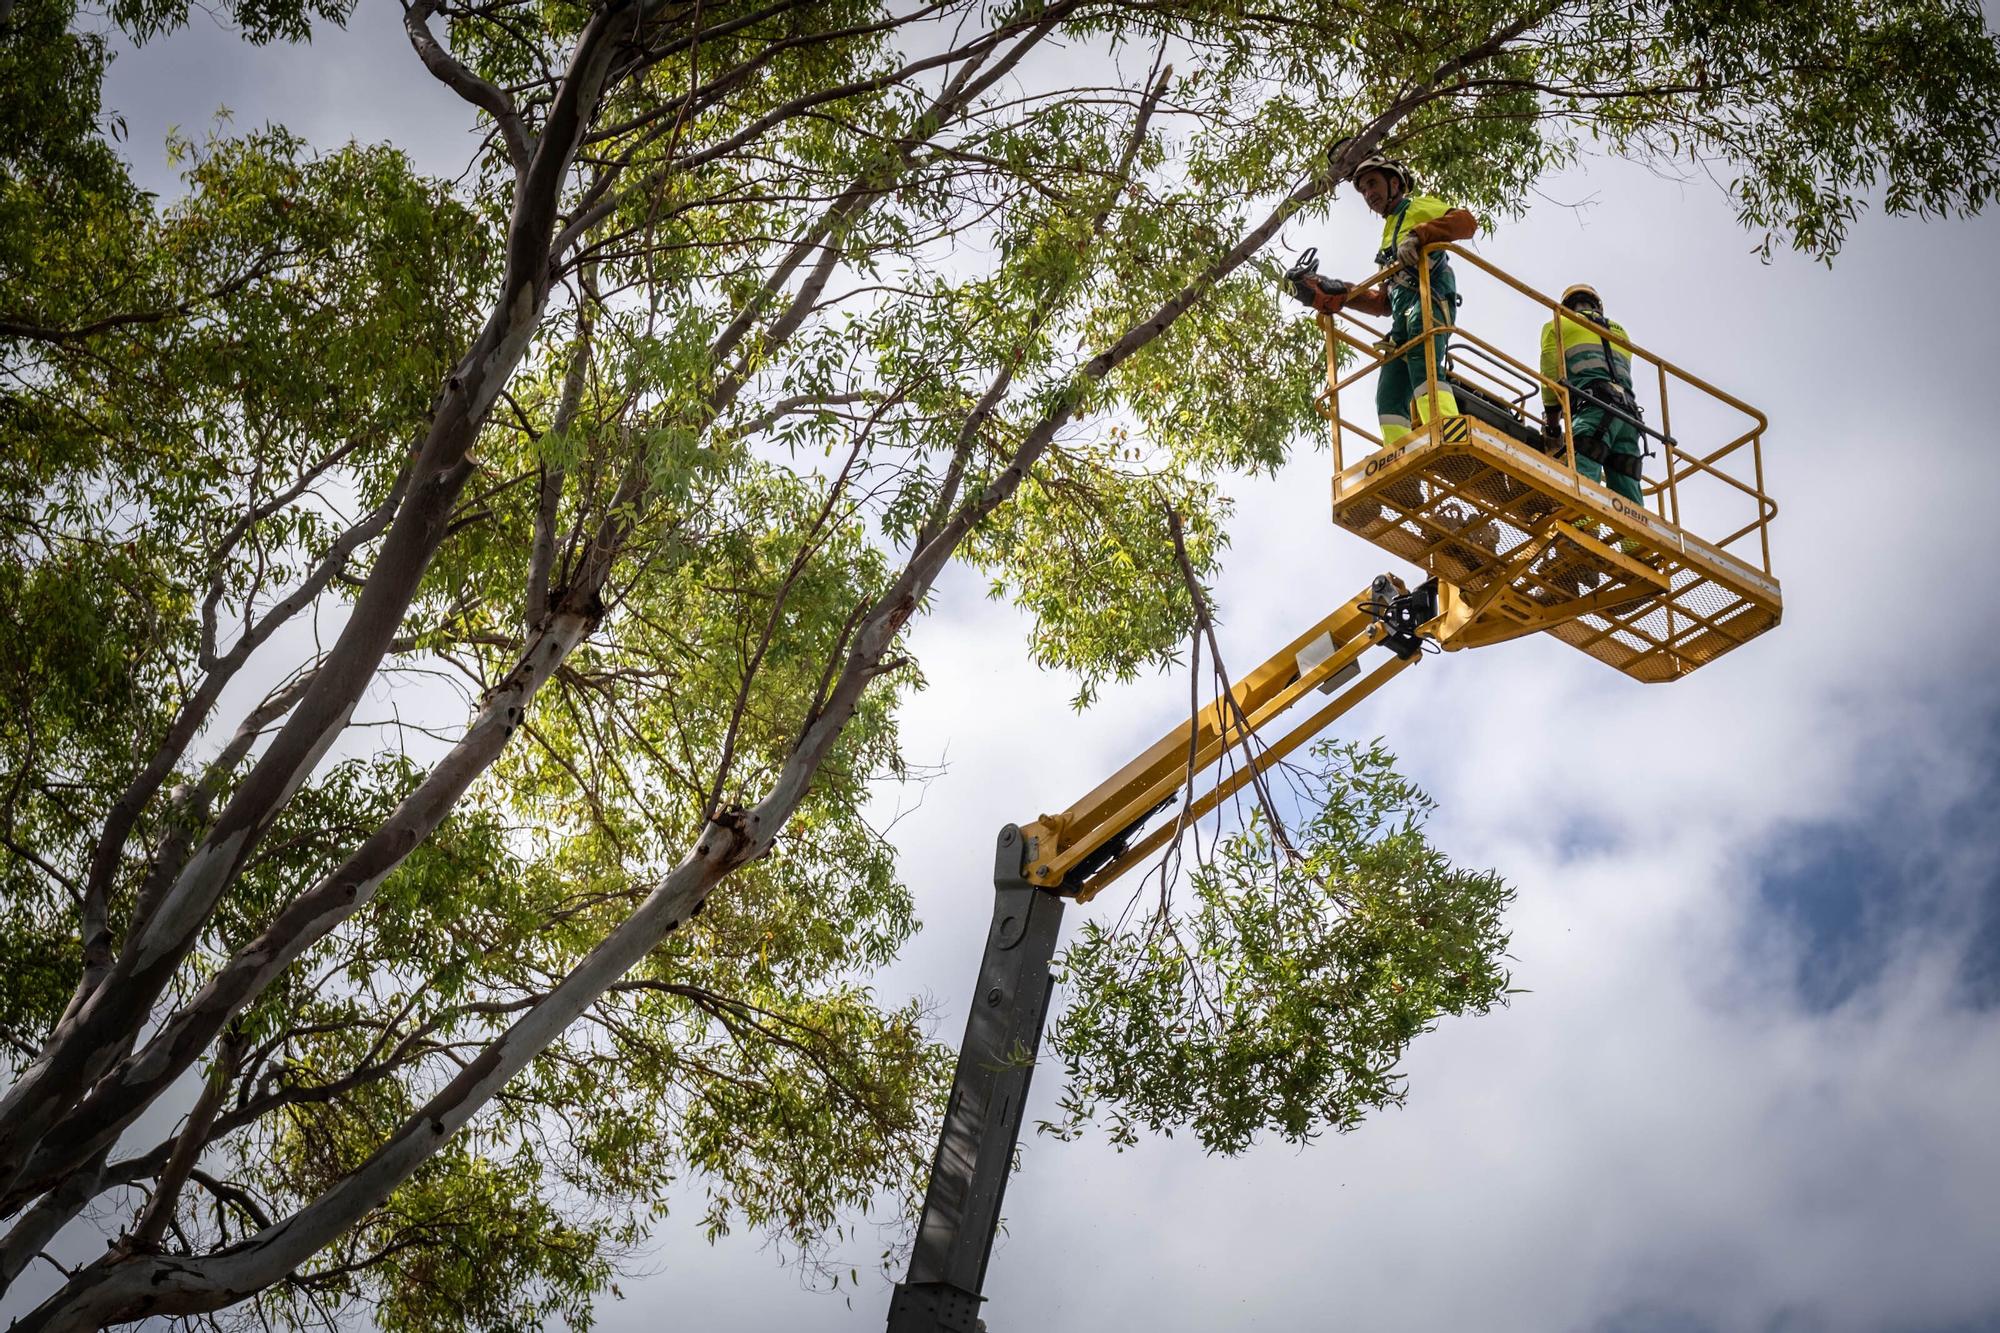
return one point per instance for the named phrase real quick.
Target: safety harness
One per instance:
(1406, 278)
(1609, 393)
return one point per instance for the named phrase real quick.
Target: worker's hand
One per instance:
(1410, 248)
(1326, 295)
(1332, 296)
(1552, 429)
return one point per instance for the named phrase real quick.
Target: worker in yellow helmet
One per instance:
(1603, 412)
(1410, 221)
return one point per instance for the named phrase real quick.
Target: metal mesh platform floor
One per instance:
(1555, 552)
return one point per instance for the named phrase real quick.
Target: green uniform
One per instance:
(1405, 379)
(1595, 367)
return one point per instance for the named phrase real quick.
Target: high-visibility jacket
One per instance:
(1579, 353)
(1412, 212)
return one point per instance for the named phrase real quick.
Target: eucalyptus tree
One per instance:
(650, 436)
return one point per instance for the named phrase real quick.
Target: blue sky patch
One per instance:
(1855, 893)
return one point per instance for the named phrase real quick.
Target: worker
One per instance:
(1410, 221)
(1604, 414)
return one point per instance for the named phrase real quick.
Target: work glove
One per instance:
(1552, 430)
(1409, 248)
(1326, 295)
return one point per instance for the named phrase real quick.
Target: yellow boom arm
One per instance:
(1082, 850)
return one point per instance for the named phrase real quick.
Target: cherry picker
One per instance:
(1511, 541)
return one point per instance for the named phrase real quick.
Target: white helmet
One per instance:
(1388, 166)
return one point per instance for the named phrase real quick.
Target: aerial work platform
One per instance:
(1513, 541)
(1477, 500)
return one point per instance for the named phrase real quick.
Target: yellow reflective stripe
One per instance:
(1447, 405)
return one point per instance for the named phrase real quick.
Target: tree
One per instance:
(653, 435)
(1283, 998)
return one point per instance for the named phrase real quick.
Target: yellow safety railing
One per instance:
(1707, 474)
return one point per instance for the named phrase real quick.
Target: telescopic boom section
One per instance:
(1082, 850)
(1075, 854)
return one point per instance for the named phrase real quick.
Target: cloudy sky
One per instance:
(1756, 1080)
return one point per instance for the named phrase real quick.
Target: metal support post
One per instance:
(989, 1094)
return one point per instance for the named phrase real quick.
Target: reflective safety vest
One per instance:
(1579, 353)
(1414, 211)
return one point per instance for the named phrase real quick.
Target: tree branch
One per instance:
(152, 1223)
(94, 913)
(43, 333)
(469, 86)
(88, 1040)
(548, 499)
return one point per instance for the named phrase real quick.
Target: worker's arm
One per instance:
(1326, 295)
(1374, 301)
(1447, 224)
(1432, 221)
(1452, 225)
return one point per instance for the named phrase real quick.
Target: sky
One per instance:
(1753, 1082)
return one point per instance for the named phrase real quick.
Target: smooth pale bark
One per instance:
(83, 1048)
(51, 1213)
(192, 716)
(123, 1094)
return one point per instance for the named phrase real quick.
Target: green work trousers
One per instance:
(1406, 379)
(1621, 440)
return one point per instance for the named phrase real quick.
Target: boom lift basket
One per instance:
(1474, 499)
